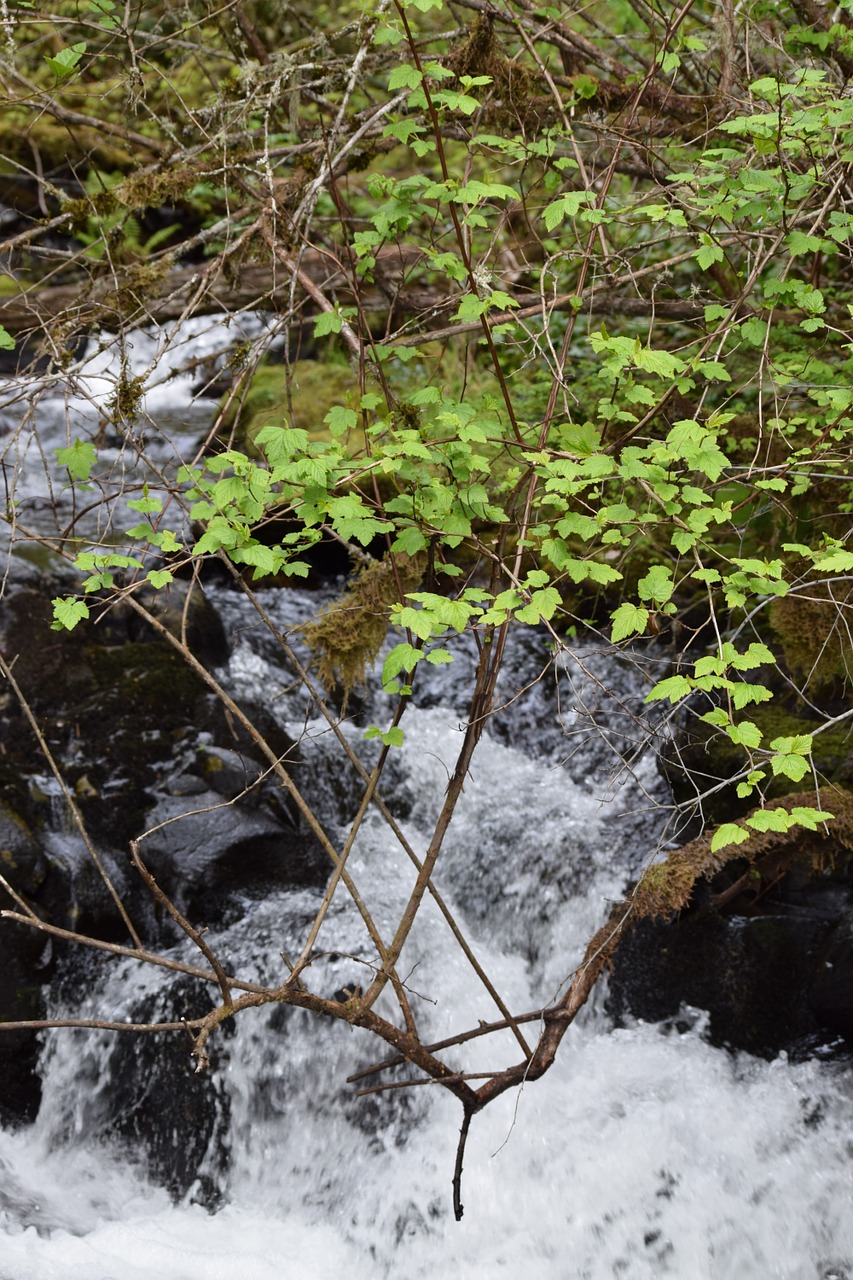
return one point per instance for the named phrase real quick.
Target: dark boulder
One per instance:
(773, 975)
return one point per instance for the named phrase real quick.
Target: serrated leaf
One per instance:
(404, 77)
(799, 744)
(657, 585)
(328, 322)
(809, 818)
(159, 577)
(793, 767)
(628, 620)
(410, 541)
(403, 657)
(674, 688)
(64, 64)
(439, 657)
(418, 621)
(67, 613)
(743, 695)
(728, 834)
(756, 655)
(340, 420)
(7, 342)
(745, 734)
(836, 562)
(567, 206)
(683, 541)
(78, 459)
(771, 820)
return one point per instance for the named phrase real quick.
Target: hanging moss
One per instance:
(480, 54)
(347, 635)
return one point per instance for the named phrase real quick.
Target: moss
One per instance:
(347, 635)
(315, 388)
(814, 629)
(666, 887)
(59, 147)
(480, 54)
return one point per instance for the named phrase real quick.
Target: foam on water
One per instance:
(639, 1155)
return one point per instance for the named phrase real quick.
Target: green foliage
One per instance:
(661, 439)
(66, 61)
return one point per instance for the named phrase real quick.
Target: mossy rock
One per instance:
(814, 630)
(707, 755)
(315, 388)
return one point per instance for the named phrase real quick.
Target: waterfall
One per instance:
(645, 1152)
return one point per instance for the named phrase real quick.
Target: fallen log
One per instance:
(144, 296)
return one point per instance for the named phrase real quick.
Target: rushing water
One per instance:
(644, 1152)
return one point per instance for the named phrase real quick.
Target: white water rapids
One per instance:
(644, 1152)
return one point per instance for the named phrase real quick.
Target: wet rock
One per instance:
(220, 854)
(21, 859)
(172, 1118)
(25, 963)
(832, 990)
(778, 978)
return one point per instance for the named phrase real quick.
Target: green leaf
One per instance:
(683, 541)
(67, 613)
(78, 459)
(756, 655)
(800, 242)
(419, 621)
(567, 206)
(471, 308)
(145, 504)
(64, 64)
(657, 585)
(403, 657)
(341, 420)
(743, 695)
(439, 657)
(582, 438)
(836, 562)
(709, 253)
(404, 77)
(800, 744)
(7, 342)
(674, 688)
(159, 577)
(771, 820)
(745, 734)
(628, 620)
(327, 322)
(475, 190)
(391, 737)
(793, 767)
(729, 833)
(809, 818)
(281, 444)
(410, 541)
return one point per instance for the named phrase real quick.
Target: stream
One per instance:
(645, 1151)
